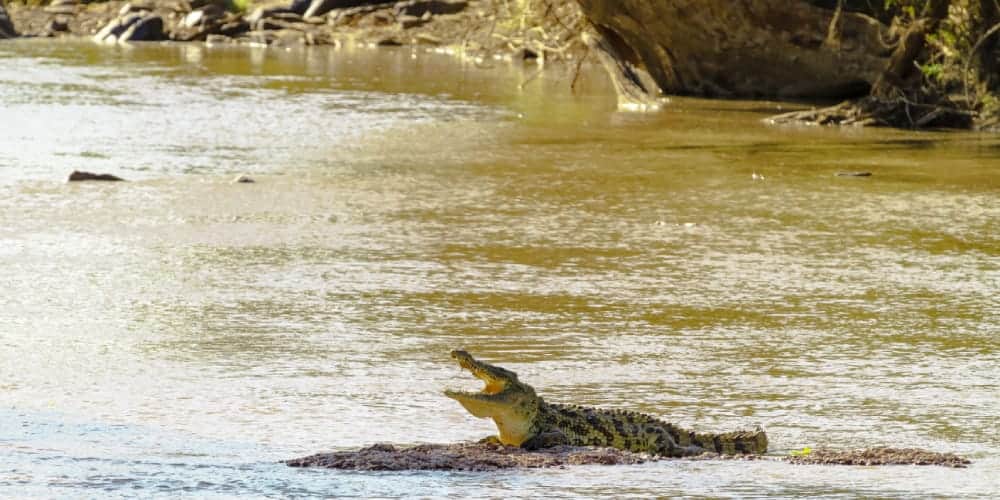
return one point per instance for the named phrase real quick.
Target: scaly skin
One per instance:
(524, 419)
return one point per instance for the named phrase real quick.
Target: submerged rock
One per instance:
(471, 456)
(465, 457)
(419, 8)
(881, 456)
(79, 175)
(321, 7)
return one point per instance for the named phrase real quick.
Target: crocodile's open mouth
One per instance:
(495, 383)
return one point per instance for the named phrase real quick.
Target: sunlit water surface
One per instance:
(180, 334)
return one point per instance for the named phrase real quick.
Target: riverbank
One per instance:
(860, 61)
(480, 29)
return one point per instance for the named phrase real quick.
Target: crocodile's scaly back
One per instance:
(638, 432)
(524, 419)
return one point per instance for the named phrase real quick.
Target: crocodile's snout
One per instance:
(465, 360)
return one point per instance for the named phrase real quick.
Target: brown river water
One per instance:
(177, 335)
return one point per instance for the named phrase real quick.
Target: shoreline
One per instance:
(479, 29)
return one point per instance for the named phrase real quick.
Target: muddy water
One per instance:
(178, 334)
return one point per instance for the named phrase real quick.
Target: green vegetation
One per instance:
(957, 54)
(238, 5)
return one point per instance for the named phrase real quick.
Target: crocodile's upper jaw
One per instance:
(510, 403)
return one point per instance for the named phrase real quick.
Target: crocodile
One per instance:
(525, 420)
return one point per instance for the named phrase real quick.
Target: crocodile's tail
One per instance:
(735, 443)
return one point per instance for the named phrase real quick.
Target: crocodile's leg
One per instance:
(545, 440)
(492, 439)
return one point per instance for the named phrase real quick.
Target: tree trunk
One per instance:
(756, 48)
(6, 26)
(988, 56)
(901, 65)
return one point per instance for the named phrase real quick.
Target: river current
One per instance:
(179, 334)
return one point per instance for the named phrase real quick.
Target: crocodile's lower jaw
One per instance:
(473, 403)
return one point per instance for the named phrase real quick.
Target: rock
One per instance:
(243, 179)
(278, 24)
(300, 6)
(419, 8)
(79, 175)
(212, 40)
(109, 33)
(192, 19)
(146, 29)
(132, 28)
(427, 39)
(262, 13)
(525, 54)
(202, 16)
(881, 456)
(342, 17)
(65, 9)
(234, 28)
(259, 38)
(381, 18)
(259, 18)
(287, 17)
(197, 4)
(57, 25)
(141, 5)
(136, 6)
(6, 26)
(320, 7)
(288, 38)
(179, 6)
(407, 22)
(492, 457)
(466, 457)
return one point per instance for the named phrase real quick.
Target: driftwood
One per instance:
(898, 111)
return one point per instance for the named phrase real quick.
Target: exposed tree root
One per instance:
(898, 112)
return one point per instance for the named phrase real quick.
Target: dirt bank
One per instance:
(935, 67)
